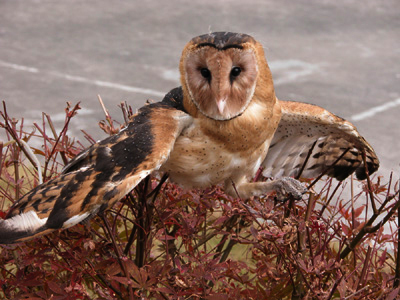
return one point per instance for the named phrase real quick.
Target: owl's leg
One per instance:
(284, 187)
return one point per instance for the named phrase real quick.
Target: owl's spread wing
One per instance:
(304, 128)
(99, 176)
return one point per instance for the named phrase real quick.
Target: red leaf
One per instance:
(38, 151)
(164, 290)
(344, 212)
(166, 237)
(358, 211)
(133, 269)
(393, 294)
(125, 281)
(382, 258)
(115, 268)
(254, 232)
(220, 220)
(55, 287)
(32, 282)
(346, 229)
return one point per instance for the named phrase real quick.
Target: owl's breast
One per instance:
(199, 160)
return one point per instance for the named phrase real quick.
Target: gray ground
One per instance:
(342, 55)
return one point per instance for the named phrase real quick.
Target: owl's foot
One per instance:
(284, 187)
(287, 187)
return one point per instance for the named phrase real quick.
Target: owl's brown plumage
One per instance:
(221, 126)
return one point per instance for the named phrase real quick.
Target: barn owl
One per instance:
(222, 125)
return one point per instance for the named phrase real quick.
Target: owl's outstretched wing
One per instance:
(304, 128)
(99, 176)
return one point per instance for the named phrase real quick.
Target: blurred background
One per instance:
(342, 55)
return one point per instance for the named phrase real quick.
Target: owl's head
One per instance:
(221, 71)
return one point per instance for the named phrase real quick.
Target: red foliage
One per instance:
(176, 244)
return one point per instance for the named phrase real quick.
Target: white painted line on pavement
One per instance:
(18, 67)
(85, 80)
(374, 110)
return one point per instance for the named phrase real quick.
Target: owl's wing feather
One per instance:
(98, 177)
(304, 128)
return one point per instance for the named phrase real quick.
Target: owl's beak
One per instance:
(221, 103)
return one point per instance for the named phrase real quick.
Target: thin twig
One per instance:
(125, 113)
(53, 150)
(88, 137)
(131, 238)
(336, 284)
(328, 168)
(104, 107)
(301, 238)
(16, 172)
(50, 122)
(258, 174)
(397, 272)
(142, 221)
(364, 156)
(365, 268)
(118, 251)
(330, 198)
(306, 160)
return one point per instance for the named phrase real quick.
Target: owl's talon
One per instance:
(287, 187)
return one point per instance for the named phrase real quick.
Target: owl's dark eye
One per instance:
(235, 71)
(205, 73)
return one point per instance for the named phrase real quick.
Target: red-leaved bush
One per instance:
(162, 242)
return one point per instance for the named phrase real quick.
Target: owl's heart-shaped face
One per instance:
(221, 82)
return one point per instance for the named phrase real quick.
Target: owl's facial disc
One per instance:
(221, 83)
